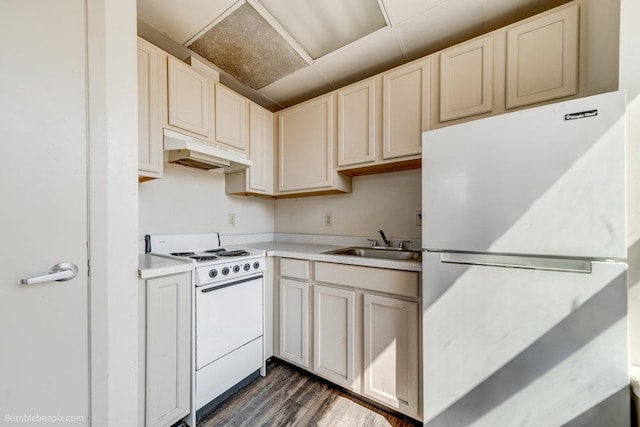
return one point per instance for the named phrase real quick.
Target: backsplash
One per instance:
(189, 200)
(386, 201)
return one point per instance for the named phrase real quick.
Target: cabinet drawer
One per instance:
(398, 282)
(296, 268)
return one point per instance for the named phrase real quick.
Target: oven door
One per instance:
(228, 316)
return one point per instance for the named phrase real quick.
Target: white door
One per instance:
(44, 367)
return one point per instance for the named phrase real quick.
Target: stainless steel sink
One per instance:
(382, 253)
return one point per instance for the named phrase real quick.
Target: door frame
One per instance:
(113, 211)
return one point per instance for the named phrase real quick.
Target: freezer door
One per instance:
(520, 346)
(530, 182)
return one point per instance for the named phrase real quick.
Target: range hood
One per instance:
(188, 151)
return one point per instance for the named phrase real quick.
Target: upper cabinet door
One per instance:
(306, 145)
(405, 109)
(149, 136)
(232, 118)
(466, 79)
(542, 58)
(188, 98)
(260, 149)
(357, 118)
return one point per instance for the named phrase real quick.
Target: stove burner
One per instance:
(213, 251)
(238, 252)
(204, 257)
(182, 253)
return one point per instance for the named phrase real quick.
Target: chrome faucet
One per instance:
(386, 241)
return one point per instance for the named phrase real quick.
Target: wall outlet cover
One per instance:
(328, 220)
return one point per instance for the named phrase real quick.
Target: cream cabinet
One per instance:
(466, 79)
(405, 109)
(334, 335)
(358, 122)
(294, 321)
(232, 118)
(386, 335)
(258, 179)
(542, 58)
(294, 311)
(165, 337)
(188, 98)
(391, 370)
(149, 131)
(306, 143)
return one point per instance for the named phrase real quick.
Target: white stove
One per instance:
(213, 263)
(228, 312)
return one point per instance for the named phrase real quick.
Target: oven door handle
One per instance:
(226, 285)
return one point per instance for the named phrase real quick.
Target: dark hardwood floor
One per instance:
(289, 397)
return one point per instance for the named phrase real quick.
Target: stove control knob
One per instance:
(256, 265)
(213, 273)
(247, 267)
(236, 268)
(225, 271)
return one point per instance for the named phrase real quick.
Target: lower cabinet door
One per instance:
(168, 359)
(334, 335)
(391, 352)
(294, 321)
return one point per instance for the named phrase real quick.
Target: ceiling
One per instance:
(277, 53)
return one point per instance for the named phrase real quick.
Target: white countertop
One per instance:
(155, 266)
(314, 252)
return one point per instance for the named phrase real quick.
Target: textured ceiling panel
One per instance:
(247, 47)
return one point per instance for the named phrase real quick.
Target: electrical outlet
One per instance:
(328, 220)
(418, 217)
(232, 219)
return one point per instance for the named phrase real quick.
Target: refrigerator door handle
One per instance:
(514, 261)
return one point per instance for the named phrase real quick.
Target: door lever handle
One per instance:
(60, 272)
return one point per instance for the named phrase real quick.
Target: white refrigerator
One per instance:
(524, 288)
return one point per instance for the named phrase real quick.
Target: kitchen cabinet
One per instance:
(165, 336)
(466, 79)
(360, 132)
(232, 118)
(542, 58)
(405, 109)
(358, 122)
(258, 179)
(334, 335)
(391, 352)
(294, 311)
(379, 359)
(294, 315)
(306, 149)
(149, 130)
(188, 98)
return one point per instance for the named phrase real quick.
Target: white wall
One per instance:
(385, 201)
(189, 200)
(629, 72)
